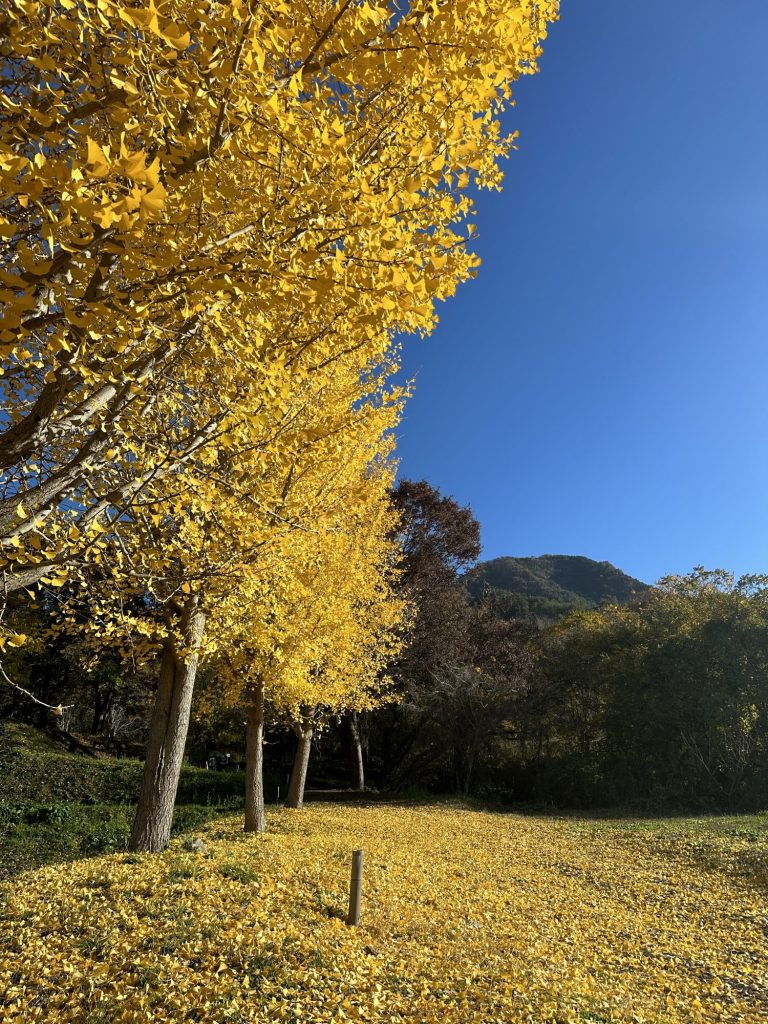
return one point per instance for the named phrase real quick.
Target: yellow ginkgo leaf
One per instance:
(152, 201)
(97, 159)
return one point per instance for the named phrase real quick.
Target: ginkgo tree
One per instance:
(171, 171)
(318, 638)
(203, 554)
(206, 210)
(349, 672)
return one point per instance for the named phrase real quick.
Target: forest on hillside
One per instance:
(548, 587)
(658, 702)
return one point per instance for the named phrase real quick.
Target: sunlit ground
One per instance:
(467, 916)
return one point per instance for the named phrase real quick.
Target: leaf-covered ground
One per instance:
(468, 917)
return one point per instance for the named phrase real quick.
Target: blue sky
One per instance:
(600, 389)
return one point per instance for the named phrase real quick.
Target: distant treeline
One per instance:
(632, 695)
(662, 703)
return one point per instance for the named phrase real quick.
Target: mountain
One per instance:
(551, 586)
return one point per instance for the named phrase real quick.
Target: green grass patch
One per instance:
(239, 872)
(60, 806)
(34, 767)
(733, 845)
(32, 835)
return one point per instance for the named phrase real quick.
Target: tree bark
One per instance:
(355, 752)
(298, 781)
(168, 734)
(255, 814)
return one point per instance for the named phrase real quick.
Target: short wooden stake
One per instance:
(355, 889)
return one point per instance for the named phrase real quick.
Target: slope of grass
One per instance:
(35, 834)
(468, 916)
(58, 806)
(34, 767)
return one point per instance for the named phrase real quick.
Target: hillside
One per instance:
(56, 805)
(550, 586)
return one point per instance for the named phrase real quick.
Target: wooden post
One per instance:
(355, 889)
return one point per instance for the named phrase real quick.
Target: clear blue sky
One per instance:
(602, 388)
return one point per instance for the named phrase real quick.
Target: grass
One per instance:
(57, 806)
(33, 835)
(33, 767)
(733, 845)
(469, 917)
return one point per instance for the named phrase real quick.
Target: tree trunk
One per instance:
(355, 752)
(102, 705)
(470, 757)
(98, 709)
(298, 781)
(168, 734)
(469, 764)
(255, 815)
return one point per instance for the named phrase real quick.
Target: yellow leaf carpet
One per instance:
(468, 916)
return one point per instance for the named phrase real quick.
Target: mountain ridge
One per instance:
(547, 587)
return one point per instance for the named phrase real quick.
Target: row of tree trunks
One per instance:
(168, 733)
(255, 815)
